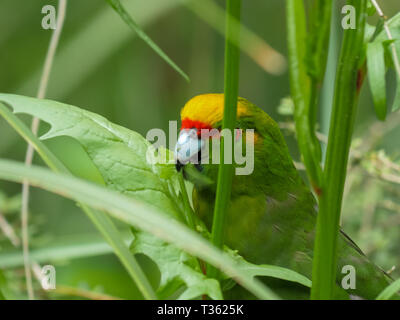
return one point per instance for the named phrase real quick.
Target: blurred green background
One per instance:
(102, 66)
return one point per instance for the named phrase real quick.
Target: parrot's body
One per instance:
(272, 213)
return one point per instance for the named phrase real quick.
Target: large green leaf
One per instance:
(135, 213)
(118, 153)
(103, 223)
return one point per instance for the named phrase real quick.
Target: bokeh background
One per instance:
(102, 66)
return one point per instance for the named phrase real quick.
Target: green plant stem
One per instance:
(348, 83)
(186, 203)
(225, 172)
(317, 59)
(318, 39)
(303, 90)
(103, 222)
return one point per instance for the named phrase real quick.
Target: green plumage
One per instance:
(272, 216)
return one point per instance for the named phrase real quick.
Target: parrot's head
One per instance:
(270, 163)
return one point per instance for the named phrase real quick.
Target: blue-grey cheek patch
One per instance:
(188, 147)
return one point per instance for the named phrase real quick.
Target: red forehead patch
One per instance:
(189, 124)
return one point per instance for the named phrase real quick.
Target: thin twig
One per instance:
(390, 164)
(8, 231)
(29, 153)
(392, 206)
(71, 291)
(390, 177)
(37, 272)
(389, 35)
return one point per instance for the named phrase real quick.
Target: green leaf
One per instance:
(99, 219)
(116, 5)
(177, 269)
(135, 213)
(389, 291)
(394, 26)
(118, 153)
(273, 272)
(376, 77)
(390, 61)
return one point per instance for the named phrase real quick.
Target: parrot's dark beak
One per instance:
(188, 148)
(178, 165)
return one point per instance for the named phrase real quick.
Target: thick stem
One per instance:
(307, 64)
(348, 82)
(225, 172)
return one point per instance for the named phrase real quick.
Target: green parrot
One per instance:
(272, 213)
